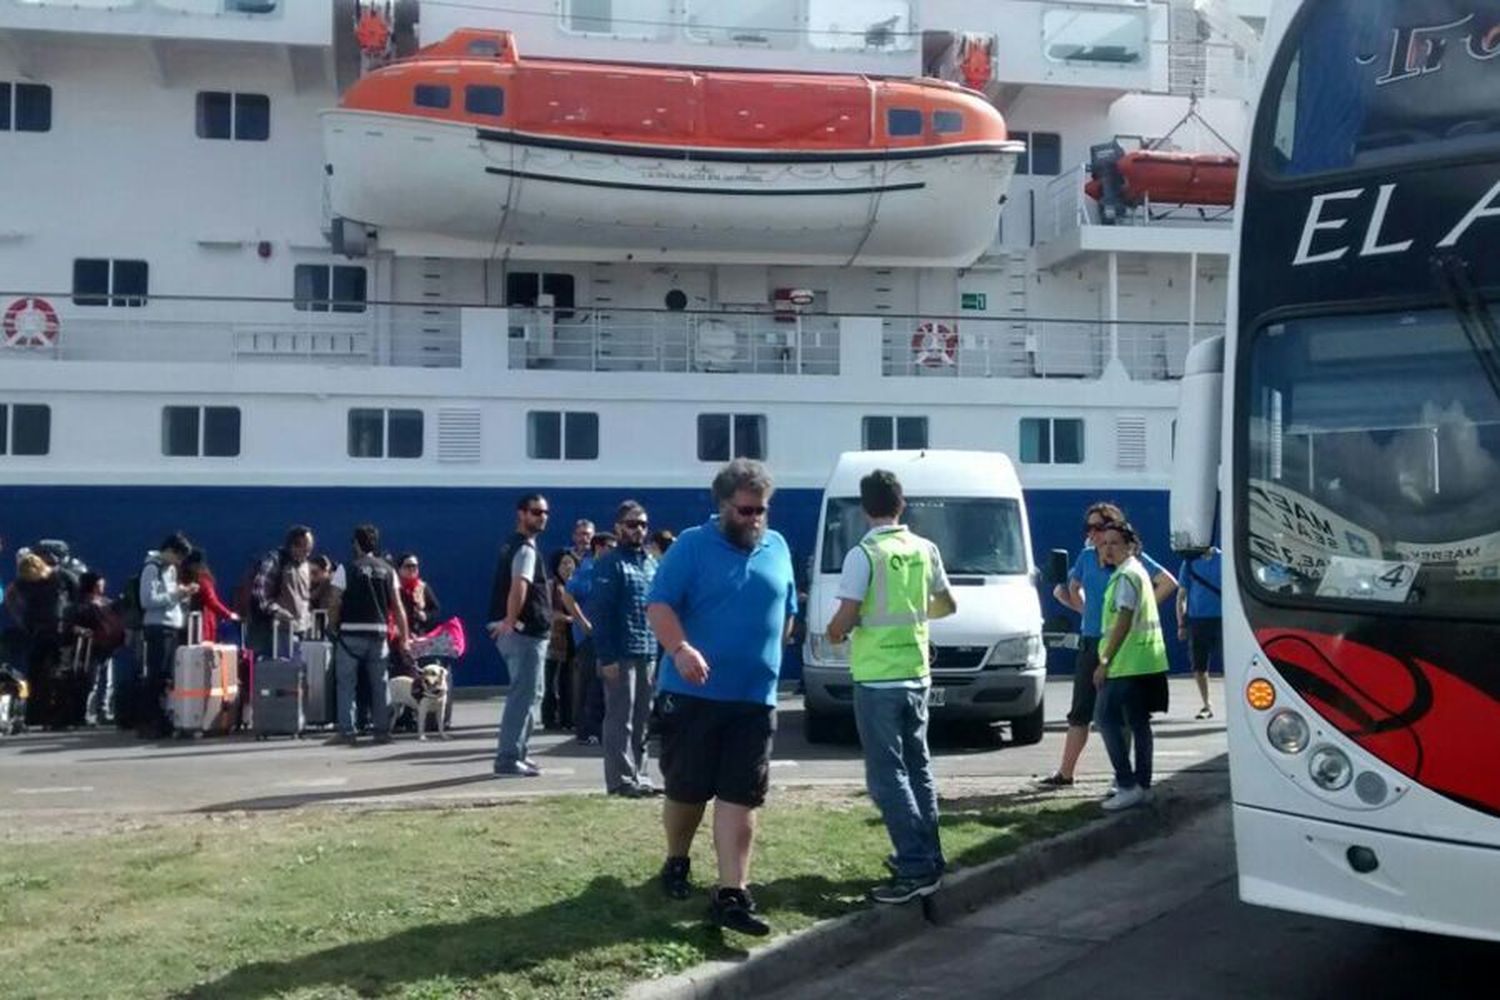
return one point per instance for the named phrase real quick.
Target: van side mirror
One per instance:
(1058, 565)
(1057, 633)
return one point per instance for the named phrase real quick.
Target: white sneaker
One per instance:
(1114, 789)
(1124, 799)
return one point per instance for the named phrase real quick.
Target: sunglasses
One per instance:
(538, 512)
(750, 510)
(1094, 525)
(409, 566)
(634, 524)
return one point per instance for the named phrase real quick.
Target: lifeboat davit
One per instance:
(465, 149)
(1164, 178)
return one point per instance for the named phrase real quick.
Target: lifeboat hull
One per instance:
(1175, 178)
(450, 188)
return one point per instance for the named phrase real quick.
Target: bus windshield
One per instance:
(1374, 462)
(977, 536)
(1374, 82)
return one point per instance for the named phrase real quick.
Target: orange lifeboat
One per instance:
(468, 149)
(1166, 178)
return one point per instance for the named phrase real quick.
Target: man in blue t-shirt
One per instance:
(1085, 594)
(1200, 617)
(721, 605)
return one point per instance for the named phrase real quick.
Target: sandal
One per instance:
(1204, 713)
(1055, 781)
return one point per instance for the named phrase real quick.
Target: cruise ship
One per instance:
(266, 262)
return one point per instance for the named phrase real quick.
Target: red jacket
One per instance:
(207, 601)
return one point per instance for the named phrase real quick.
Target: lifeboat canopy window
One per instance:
(947, 122)
(484, 48)
(431, 95)
(903, 122)
(483, 100)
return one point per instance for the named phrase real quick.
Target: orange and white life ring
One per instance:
(935, 345)
(31, 323)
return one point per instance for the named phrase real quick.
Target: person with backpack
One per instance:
(96, 619)
(1200, 617)
(163, 602)
(370, 600)
(282, 590)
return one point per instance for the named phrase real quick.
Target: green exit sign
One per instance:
(975, 300)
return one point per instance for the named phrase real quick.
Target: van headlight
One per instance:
(825, 651)
(1017, 649)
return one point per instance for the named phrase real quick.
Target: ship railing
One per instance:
(1038, 348)
(613, 340)
(1065, 206)
(210, 8)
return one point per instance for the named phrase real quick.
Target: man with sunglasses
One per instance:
(1084, 593)
(520, 623)
(722, 606)
(626, 651)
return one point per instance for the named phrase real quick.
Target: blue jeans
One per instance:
(898, 773)
(366, 653)
(1122, 704)
(524, 657)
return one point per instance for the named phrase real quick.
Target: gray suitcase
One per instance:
(317, 654)
(278, 686)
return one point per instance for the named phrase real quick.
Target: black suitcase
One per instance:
(278, 685)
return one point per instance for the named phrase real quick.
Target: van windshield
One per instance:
(977, 536)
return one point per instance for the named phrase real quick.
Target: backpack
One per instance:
(132, 611)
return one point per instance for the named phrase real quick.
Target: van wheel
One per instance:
(819, 727)
(1028, 729)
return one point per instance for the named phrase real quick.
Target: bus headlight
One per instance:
(825, 651)
(1017, 649)
(1330, 768)
(1288, 732)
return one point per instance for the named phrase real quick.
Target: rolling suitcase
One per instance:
(318, 707)
(277, 686)
(205, 683)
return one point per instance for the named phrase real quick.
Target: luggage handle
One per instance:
(83, 651)
(319, 625)
(276, 638)
(195, 629)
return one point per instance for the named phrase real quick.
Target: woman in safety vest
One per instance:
(1132, 672)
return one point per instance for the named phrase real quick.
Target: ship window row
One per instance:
(377, 433)
(571, 436)
(200, 431)
(479, 99)
(1043, 156)
(25, 429)
(338, 288)
(886, 433)
(99, 281)
(901, 122)
(25, 107)
(238, 117)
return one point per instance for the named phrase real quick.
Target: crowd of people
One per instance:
(625, 632)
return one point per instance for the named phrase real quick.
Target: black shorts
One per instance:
(1205, 639)
(1081, 712)
(715, 749)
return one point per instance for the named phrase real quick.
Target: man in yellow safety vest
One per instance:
(892, 584)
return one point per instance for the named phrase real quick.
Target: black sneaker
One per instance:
(676, 878)
(903, 890)
(735, 910)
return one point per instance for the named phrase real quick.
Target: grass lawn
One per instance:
(548, 898)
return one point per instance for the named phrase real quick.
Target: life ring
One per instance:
(31, 323)
(935, 345)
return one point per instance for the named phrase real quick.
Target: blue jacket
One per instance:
(622, 580)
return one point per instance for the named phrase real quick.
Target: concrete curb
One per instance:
(842, 941)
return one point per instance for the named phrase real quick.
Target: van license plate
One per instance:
(937, 697)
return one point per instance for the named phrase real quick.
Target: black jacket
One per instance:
(535, 620)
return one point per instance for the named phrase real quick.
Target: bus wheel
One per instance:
(1028, 729)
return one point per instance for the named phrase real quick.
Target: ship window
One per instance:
(243, 117)
(484, 48)
(947, 122)
(903, 121)
(722, 436)
(25, 429)
(103, 282)
(523, 287)
(1108, 38)
(385, 433)
(431, 95)
(193, 431)
(885, 433)
(1051, 441)
(1043, 155)
(329, 288)
(25, 107)
(554, 435)
(484, 100)
(619, 18)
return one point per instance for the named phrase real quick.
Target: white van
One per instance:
(988, 662)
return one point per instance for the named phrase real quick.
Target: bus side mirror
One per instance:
(1195, 469)
(1058, 565)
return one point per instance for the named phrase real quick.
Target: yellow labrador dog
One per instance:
(431, 699)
